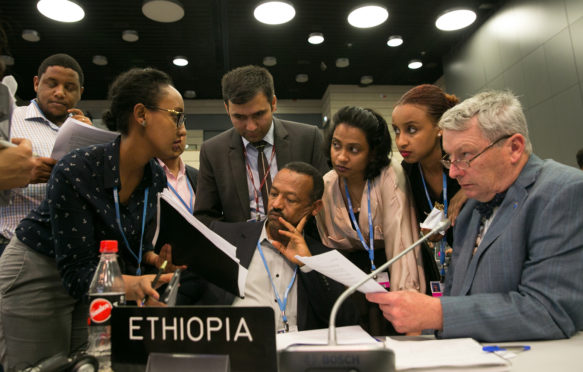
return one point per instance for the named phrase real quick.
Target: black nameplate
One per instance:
(246, 334)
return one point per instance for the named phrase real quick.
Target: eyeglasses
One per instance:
(178, 115)
(465, 164)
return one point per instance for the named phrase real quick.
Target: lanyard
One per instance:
(257, 191)
(118, 218)
(282, 304)
(355, 223)
(190, 207)
(444, 240)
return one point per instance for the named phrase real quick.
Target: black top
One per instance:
(79, 211)
(422, 208)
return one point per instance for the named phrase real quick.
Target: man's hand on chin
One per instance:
(297, 244)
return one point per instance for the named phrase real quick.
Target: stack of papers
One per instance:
(344, 336)
(461, 354)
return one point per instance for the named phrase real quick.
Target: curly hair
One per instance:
(377, 135)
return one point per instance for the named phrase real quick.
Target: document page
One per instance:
(348, 335)
(454, 354)
(75, 134)
(335, 266)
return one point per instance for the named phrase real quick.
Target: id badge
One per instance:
(383, 279)
(436, 288)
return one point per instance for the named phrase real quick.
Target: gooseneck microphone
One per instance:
(442, 226)
(365, 357)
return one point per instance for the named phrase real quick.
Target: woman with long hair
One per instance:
(367, 211)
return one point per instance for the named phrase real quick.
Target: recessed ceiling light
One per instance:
(100, 60)
(164, 11)
(414, 64)
(189, 93)
(342, 62)
(8, 60)
(366, 80)
(368, 16)
(269, 61)
(61, 10)
(274, 12)
(302, 78)
(180, 61)
(31, 35)
(316, 38)
(131, 36)
(455, 20)
(395, 41)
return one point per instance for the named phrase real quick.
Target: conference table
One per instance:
(557, 355)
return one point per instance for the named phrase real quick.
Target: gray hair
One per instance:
(499, 113)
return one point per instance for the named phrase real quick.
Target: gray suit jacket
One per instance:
(222, 192)
(525, 281)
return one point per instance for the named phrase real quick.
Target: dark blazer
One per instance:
(316, 293)
(222, 191)
(192, 174)
(525, 281)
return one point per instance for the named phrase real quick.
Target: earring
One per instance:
(143, 123)
(439, 134)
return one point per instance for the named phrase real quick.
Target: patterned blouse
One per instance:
(79, 212)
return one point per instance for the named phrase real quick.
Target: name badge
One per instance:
(436, 288)
(383, 279)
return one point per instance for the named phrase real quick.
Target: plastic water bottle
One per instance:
(106, 290)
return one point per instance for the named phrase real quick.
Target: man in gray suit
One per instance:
(238, 166)
(517, 264)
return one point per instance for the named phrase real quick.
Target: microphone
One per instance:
(368, 357)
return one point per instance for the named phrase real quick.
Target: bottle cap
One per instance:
(108, 246)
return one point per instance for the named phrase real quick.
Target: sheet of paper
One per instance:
(215, 238)
(446, 354)
(344, 336)
(335, 266)
(75, 134)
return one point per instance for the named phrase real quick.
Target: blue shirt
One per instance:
(79, 212)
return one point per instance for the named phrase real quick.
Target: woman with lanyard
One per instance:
(96, 193)
(367, 212)
(418, 139)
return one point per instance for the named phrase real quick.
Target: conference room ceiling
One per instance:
(218, 35)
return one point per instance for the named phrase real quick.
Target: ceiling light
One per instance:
(274, 12)
(414, 64)
(316, 38)
(189, 93)
(31, 35)
(61, 10)
(164, 11)
(8, 60)
(302, 78)
(368, 16)
(395, 41)
(131, 36)
(269, 61)
(180, 61)
(366, 80)
(455, 20)
(100, 60)
(342, 62)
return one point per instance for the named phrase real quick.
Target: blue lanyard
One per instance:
(191, 207)
(444, 240)
(355, 223)
(118, 218)
(282, 304)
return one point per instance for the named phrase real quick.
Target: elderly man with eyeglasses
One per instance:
(518, 252)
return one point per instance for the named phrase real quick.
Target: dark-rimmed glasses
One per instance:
(178, 115)
(465, 164)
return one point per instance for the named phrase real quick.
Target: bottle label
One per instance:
(100, 307)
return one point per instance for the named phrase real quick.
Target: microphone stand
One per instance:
(443, 225)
